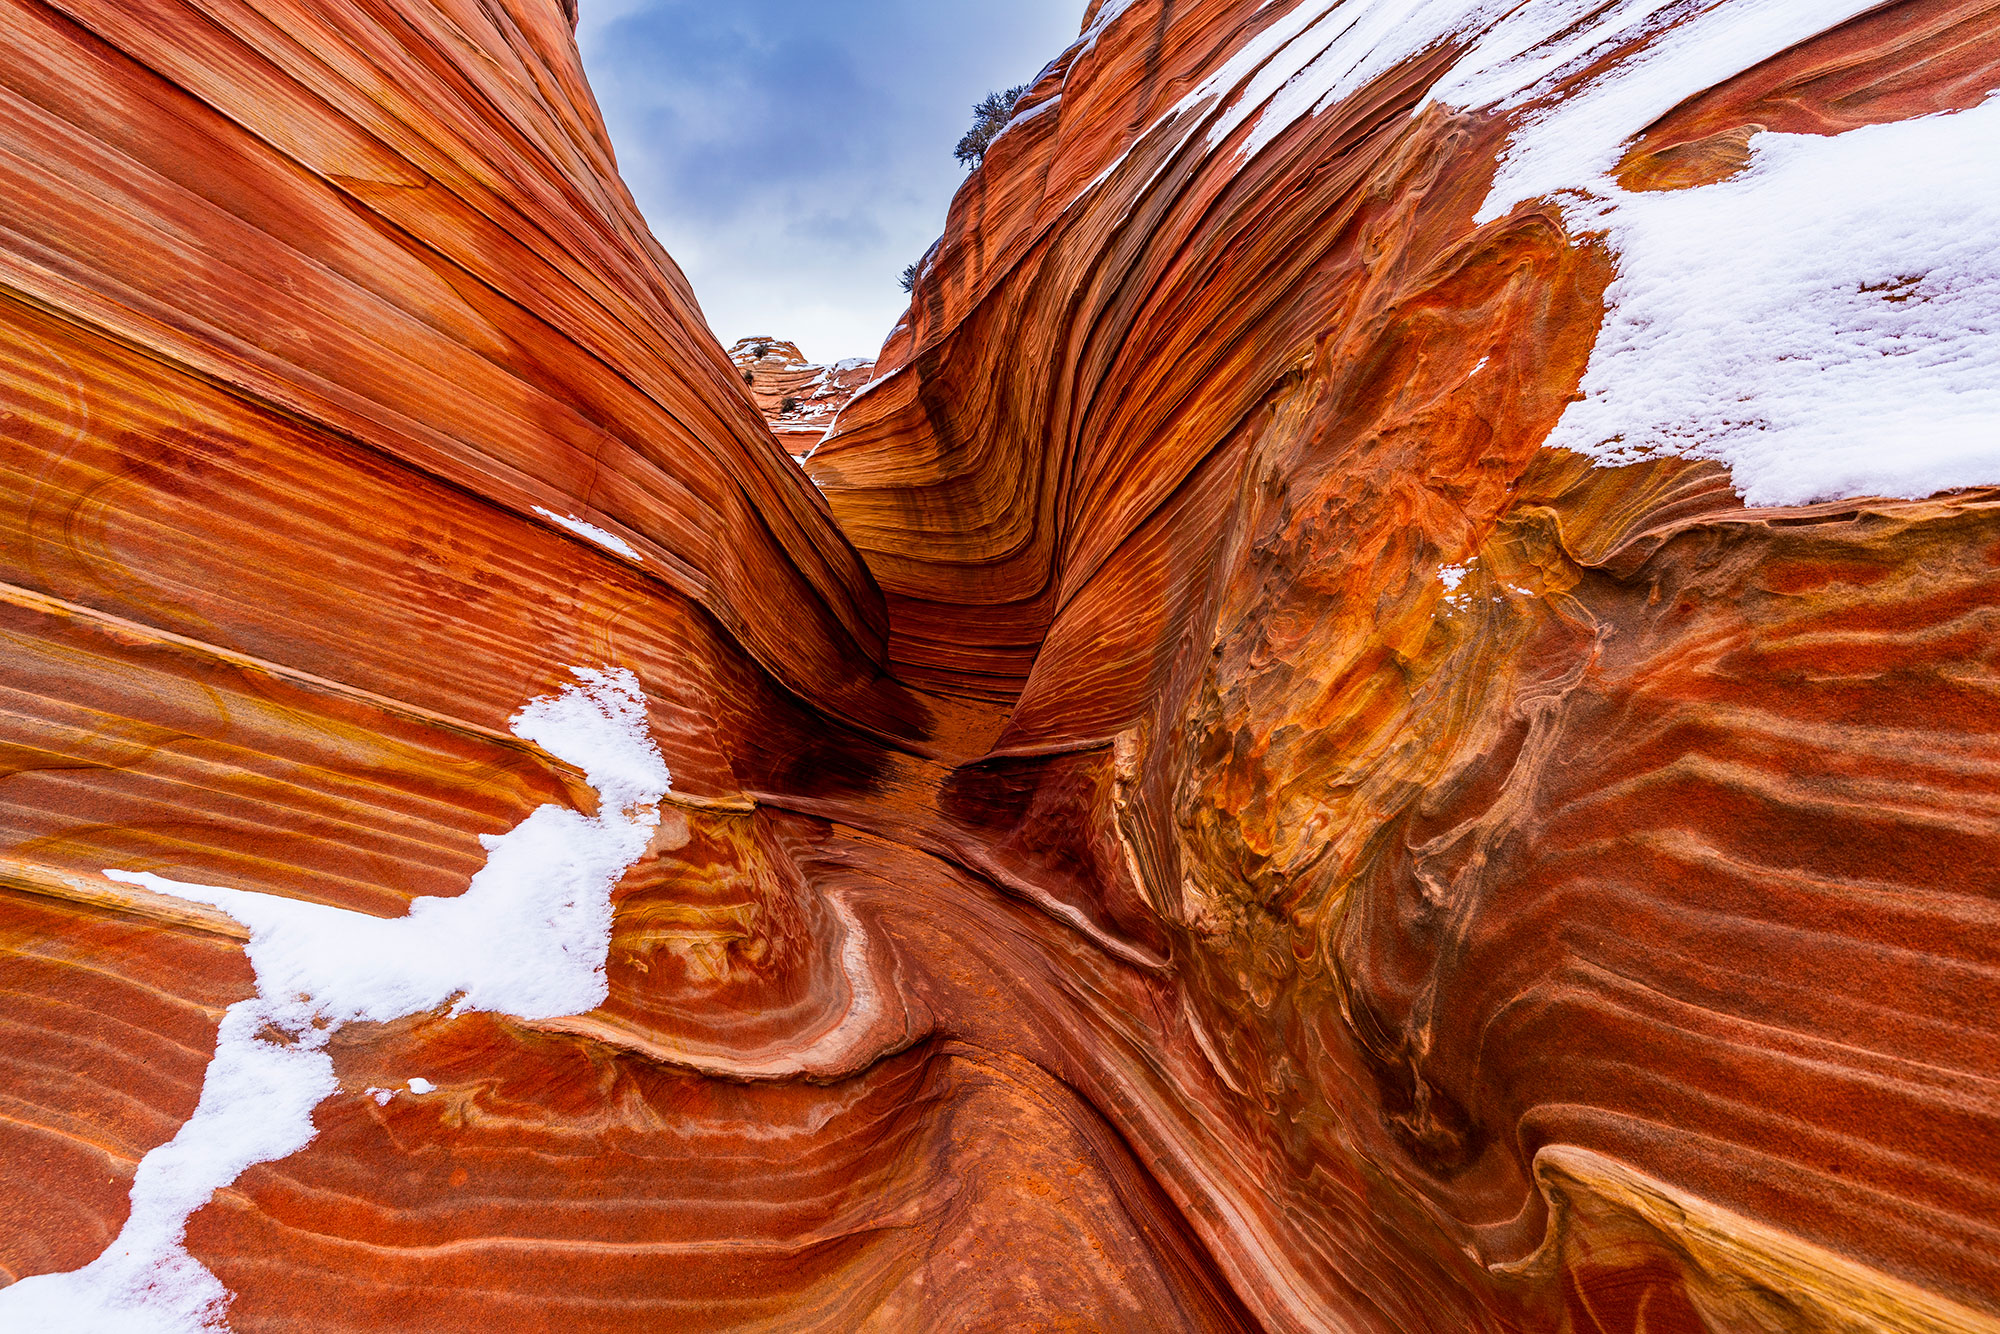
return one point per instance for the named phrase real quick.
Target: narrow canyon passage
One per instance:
(1380, 714)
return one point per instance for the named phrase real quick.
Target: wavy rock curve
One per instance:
(1202, 819)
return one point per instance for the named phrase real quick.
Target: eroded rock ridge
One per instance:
(799, 398)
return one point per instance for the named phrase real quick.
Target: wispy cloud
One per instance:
(794, 155)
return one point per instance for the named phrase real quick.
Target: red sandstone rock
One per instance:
(1114, 879)
(799, 399)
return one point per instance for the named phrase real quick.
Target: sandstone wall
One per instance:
(1208, 822)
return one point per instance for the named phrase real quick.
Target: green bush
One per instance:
(989, 116)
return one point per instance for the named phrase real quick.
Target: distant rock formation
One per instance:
(798, 398)
(1385, 719)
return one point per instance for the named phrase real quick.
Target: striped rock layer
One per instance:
(1111, 882)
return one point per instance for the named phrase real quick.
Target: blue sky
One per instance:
(794, 155)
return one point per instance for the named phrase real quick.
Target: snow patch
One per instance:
(1826, 323)
(529, 937)
(1034, 112)
(609, 541)
(1574, 142)
(1106, 16)
(1348, 48)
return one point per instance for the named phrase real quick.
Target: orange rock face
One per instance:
(799, 398)
(1202, 819)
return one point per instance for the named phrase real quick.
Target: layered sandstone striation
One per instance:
(1202, 819)
(799, 398)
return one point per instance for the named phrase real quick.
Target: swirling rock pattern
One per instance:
(1201, 820)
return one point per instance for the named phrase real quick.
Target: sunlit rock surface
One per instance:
(799, 398)
(1208, 822)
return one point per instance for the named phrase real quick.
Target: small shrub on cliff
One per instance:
(909, 277)
(749, 377)
(989, 116)
(761, 351)
(789, 404)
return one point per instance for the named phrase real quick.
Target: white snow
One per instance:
(1571, 144)
(1456, 595)
(1106, 16)
(1352, 45)
(417, 1084)
(1826, 323)
(609, 541)
(1270, 61)
(529, 937)
(1035, 112)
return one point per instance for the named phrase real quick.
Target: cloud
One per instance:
(796, 154)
